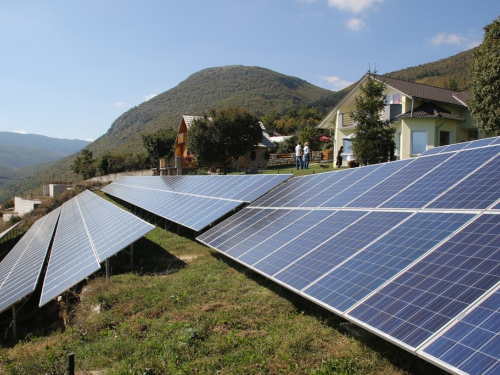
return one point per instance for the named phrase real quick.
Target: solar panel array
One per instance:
(90, 230)
(193, 201)
(21, 267)
(410, 250)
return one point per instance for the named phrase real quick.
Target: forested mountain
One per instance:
(256, 89)
(57, 145)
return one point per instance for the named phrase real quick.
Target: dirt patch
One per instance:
(188, 257)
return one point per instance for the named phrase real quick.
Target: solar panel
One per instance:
(403, 249)
(477, 191)
(441, 178)
(193, 201)
(398, 181)
(438, 287)
(8, 230)
(21, 268)
(471, 343)
(89, 231)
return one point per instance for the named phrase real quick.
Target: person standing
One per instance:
(307, 152)
(298, 156)
(339, 157)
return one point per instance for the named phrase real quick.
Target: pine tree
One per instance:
(373, 137)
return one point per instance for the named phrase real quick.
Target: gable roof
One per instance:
(425, 92)
(431, 110)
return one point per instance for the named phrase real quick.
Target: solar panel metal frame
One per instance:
(74, 251)
(21, 269)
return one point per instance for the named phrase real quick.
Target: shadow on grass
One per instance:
(148, 258)
(397, 356)
(33, 321)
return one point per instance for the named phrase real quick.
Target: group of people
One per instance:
(302, 156)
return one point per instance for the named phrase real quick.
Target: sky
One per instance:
(68, 69)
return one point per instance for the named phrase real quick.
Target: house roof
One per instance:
(430, 110)
(425, 92)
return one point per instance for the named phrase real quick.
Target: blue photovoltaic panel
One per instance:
(110, 228)
(496, 141)
(344, 241)
(310, 194)
(250, 255)
(456, 147)
(478, 191)
(72, 258)
(481, 143)
(433, 151)
(232, 226)
(291, 189)
(89, 231)
(192, 201)
(472, 344)
(325, 192)
(364, 272)
(20, 269)
(398, 181)
(293, 241)
(438, 287)
(366, 183)
(434, 183)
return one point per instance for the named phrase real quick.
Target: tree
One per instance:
(159, 144)
(311, 134)
(373, 137)
(484, 71)
(83, 165)
(228, 134)
(105, 164)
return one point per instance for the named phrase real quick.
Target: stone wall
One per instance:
(115, 176)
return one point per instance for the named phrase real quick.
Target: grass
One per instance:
(183, 308)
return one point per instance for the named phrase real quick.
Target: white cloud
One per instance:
(20, 131)
(444, 38)
(335, 82)
(119, 104)
(150, 96)
(90, 139)
(355, 24)
(354, 6)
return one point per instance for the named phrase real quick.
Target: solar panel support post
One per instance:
(131, 255)
(67, 306)
(71, 364)
(14, 321)
(107, 269)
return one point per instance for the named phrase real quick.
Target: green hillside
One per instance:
(440, 73)
(256, 89)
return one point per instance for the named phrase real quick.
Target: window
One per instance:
(418, 142)
(397, 151)
(396, 98)
(444, 138)
(347, 146)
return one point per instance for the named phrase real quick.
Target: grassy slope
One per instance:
(184, 308)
